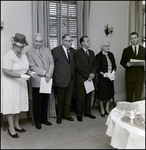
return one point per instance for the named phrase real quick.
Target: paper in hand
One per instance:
(45, 87)
(89, 86)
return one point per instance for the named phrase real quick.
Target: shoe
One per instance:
(68, 118)
(90, 116)
(38, 126)
(106, 113)
(58, 121)
(102, 115)
(13, 135)
(47, 123)
(79, 119)
(20, 130)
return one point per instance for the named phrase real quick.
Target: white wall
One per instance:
(17, 19)
(113, 13)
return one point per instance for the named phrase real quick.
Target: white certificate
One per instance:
(89, 86)
(45, 87)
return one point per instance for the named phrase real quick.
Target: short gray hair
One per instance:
(39, 35)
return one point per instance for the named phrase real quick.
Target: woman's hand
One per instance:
(25, 77)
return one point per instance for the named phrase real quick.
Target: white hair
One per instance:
(39, 35)
(104, 43)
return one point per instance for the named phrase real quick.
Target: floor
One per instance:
(89, 134)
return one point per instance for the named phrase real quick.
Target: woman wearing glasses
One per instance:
(106, 67)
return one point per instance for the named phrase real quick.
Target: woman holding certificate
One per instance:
(106, 68)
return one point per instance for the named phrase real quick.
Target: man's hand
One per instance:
(47, 79)
(129, 64)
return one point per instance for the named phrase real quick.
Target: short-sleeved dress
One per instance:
(14, 94)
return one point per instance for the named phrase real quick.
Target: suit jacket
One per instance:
(131, 73)
(84, 65)
(40, 64)
(64, 70)
(102, 64)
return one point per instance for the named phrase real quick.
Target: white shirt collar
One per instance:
(84, 49)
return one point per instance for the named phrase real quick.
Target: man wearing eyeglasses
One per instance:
(64, 77)
(41, 61)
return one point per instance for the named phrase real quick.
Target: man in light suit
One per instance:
(64, 77)
(134, 75)
(85, 70)
(41, 61)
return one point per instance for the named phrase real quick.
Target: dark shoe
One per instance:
(79, 119)
(90, 116)
(106, 113)
(102, 115)
(58, 121)
(68, 118)
(47, 123)
(14, 135)
(38, 126)
(20, 130)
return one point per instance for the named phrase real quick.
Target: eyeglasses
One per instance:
(69, 40)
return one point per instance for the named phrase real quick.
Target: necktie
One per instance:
(68, 53)
(135, 50)
(87, 52)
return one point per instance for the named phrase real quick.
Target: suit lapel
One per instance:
(63, 53)
(38, 58)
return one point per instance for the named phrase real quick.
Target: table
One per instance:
(123, 135)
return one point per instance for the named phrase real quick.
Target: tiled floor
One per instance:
(89, 134)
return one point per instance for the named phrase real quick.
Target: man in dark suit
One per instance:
(85, 70)
(134, 75)
(64, 77)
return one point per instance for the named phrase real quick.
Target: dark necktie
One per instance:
(135, 50)
(68, 53)
(87, 52)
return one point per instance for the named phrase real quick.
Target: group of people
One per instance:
(69, 69)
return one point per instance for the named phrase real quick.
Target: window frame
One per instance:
(60, 31)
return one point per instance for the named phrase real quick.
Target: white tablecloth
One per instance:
(123, 135)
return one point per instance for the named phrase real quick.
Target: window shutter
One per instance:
(62, 20)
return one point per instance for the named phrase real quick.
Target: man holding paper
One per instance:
(133, 60)
(64, 77)
(85, 73)
(41, 61)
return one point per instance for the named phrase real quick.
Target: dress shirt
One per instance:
(137, 47)
(65, 50)
(86, 51)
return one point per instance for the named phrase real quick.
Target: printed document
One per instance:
(45, 87)
(89, 86)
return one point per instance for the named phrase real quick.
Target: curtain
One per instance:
(135, 18)
(40, 19)
(83, 10)
(40, 24)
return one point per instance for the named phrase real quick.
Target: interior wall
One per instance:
(113, 13)
(17, 19)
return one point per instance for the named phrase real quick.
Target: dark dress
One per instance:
(105, 88)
